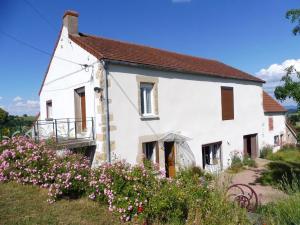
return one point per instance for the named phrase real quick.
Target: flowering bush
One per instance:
(71, 176)
(26, 162)
(126, 189)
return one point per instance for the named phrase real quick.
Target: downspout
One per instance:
(107, 130)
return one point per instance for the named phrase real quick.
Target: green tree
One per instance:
(3, 116)
(290, 87)
(291, 80)
(294, 16)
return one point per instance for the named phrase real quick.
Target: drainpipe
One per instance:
(107, 131)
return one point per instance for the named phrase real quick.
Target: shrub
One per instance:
(26, 162)
(236, 163)
(279, 172)
(248, 161)
(265, 151)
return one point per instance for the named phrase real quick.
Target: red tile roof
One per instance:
(112, 50)
(271, 105)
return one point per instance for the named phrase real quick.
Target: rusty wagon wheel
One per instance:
(244, 196)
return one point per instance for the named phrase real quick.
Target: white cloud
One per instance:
(30, 107)
(273, 74)
(17, 99)
(1, 97)
(181, 1)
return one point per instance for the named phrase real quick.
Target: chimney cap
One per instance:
(71, 13)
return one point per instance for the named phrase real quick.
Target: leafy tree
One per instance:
(290, 87)
(291, 80)
(3, 116)
(294, 16)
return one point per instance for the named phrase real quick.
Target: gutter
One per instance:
(107, 130)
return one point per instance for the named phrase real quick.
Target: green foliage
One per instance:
(236, 163)
(248, 161)
(294, 16)
(290, 87)
(285, 211)
(285, 166)
(286, 154)
(266, 151)
(3, 116)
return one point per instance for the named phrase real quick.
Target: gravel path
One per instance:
(249, 176)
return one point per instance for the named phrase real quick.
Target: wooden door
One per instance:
(83, 110)
(170, 159)
(253, 146)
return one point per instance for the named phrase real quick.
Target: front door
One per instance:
(170, 158)
(83, 110)
(80, 109)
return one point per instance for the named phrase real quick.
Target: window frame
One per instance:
(49, 103)
(144, 86)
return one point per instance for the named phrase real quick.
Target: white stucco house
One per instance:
(127, 101)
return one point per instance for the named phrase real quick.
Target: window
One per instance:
(150, 151)
(227, 102)
(211, 154)
(270, 123)
(276, 140)
(146, 90)
(49, 110)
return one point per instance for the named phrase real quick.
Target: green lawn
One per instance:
(25, 204)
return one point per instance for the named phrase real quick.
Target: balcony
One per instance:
(67, 132)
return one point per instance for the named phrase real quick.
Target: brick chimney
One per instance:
(70, 21)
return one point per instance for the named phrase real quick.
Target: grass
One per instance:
(285, 211)
(285, 165)
(289, 155)
(26, 204)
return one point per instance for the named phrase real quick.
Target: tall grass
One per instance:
(287, 210)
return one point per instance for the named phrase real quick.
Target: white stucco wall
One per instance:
(190, 104)
(279, 128)
(63, 77)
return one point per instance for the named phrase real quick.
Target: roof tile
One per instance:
(271, 105)
(108, 49)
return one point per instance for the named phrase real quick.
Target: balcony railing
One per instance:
(67, 131)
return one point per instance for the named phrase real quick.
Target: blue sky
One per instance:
(252, 35)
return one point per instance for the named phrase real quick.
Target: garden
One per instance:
(139, 194)
(38, 186)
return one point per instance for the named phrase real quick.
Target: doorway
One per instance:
(250, 145)
(80, 108)
(170, 158)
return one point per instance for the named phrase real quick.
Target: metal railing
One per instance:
(64, 130)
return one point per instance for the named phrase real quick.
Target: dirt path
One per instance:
(249, 176)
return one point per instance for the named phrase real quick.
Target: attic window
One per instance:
(49, 109)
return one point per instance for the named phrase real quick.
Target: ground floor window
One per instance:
(211, 154)
(276, 140)
(150, 150)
